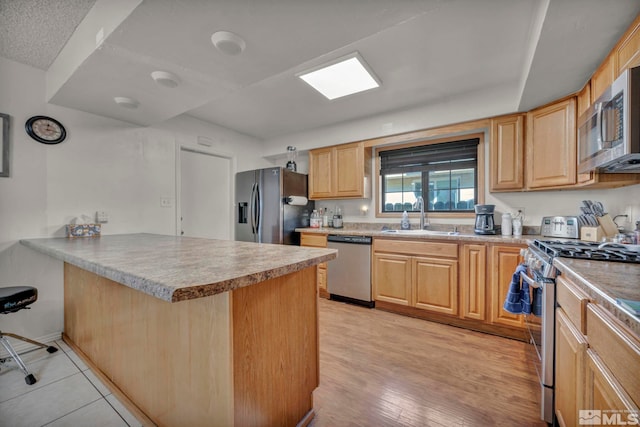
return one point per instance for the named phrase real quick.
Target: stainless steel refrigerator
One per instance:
(262, 212)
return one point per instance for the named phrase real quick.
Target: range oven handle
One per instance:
(530, 281)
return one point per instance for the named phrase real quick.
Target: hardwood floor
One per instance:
(383, 369)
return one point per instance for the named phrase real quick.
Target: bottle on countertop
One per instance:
(315, 220)
(337, 218)
(506, 224)
(404, 222)
(517, 226)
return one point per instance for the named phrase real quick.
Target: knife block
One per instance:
(591, 234)
(609, 227)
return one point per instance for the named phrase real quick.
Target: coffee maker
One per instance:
(484, 219)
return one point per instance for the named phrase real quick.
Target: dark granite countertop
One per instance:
(605, 282)
(175, 268)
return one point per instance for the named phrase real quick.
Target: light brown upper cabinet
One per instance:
(507, 153)
(583, 99)
(551, 145)
(627, 52)
(603, 77)
(339, 172)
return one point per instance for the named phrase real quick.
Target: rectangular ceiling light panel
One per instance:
(347, 76)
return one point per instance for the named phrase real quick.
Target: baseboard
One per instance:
(23, 347)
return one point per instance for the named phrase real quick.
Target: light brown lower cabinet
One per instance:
(317, 240)
(613, 379)
(571, 347)
(503, 261)
(391, 278)
(454, 283)
(473, 281)
(596, 371)
(422, 275)
(604, 392)
(435, 284)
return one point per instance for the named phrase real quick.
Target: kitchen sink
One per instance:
(422, 232)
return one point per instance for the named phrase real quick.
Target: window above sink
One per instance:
(444, 173)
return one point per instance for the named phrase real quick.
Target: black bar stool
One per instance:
(12, 299)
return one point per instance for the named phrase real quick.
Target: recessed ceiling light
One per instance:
(342, 77)
(165, 78)
(228, 42)
(125, 102)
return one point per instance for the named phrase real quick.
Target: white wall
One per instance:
(104, 165)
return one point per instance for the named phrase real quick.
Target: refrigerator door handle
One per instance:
(252, 208)
(258, 211)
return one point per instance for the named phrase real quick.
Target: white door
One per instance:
(205, 195)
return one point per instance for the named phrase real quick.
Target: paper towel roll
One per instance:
(297, 200)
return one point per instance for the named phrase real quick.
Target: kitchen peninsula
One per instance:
(196, 331)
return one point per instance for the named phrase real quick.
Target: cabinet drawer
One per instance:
(315, 240)
(618, 348)
(574, 302)
(413, 247)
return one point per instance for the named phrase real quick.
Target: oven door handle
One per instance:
(530, 281)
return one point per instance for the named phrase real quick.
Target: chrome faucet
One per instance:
(424, 223)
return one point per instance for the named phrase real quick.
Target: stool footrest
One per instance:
(29, 377)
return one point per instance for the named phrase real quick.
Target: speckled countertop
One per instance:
(463, 236)
(175, 268)
(604, 282)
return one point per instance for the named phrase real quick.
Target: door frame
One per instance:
(207, 151)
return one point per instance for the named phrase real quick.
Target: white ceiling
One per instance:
(527, 52)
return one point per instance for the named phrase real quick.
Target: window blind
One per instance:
(434, 156)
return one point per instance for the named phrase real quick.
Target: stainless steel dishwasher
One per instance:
(349, 275)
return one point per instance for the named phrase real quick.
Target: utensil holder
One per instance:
(591, 234)
(609, 227)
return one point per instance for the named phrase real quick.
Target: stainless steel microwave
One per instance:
(609, 131)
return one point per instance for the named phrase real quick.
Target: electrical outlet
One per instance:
(102, 217)
(518, 211)
(166, 202)
(629, 220)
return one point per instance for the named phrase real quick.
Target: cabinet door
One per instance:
(571, 347)
(628, 52)
(317, 241)
(605, 394)
(503, 263)
(435, 283)
(507, 153)
(349, 170)
(583, 101)
(603, 77)
(551, 145)
(473, 273)
(321, 173)
(392, 278)
(322, 280)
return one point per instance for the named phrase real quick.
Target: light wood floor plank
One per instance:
(383, 369)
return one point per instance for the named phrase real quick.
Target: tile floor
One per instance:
(67, 393)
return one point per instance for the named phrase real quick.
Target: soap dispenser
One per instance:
(404, 223)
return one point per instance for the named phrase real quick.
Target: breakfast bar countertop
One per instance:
(174, 268)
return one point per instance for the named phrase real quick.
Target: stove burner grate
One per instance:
(586, 250)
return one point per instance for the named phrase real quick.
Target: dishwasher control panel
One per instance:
(363, 240)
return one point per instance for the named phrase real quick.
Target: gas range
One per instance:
(586, 250)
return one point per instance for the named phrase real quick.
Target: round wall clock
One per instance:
(45, 130)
